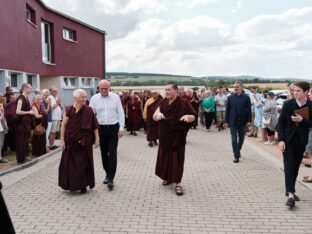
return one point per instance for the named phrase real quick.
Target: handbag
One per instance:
(266, 120)
(39, 130)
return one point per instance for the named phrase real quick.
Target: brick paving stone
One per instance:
(220, 196)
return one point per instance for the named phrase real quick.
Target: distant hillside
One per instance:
(151, 79)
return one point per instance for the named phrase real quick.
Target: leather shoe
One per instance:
(236, 160)
(83, 191)
(105, 181)
(290, 202)
(110, 185)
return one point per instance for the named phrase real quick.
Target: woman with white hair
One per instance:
(78, 133)
(39, 133)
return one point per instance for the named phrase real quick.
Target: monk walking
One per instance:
(150, 107)
(175, 116)
(133, 114)
(79, 132)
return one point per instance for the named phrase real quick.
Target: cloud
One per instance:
(194, 3)
(117, 18)
(237, 7)
(290, 29)
(158, 36)
(266, 45)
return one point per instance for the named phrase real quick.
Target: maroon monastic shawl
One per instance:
(173, 131)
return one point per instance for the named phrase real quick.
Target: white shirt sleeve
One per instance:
(121, 115)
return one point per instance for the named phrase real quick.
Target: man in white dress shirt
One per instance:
(111, 117)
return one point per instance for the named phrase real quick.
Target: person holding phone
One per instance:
(293, 134)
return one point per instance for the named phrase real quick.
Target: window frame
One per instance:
(68, 84)
(16, 77)
(67, 32)
(30, 15)
(49, 59)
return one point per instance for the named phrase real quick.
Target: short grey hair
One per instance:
(45, 92)
(78, 92)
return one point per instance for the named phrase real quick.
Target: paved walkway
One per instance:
(220, 196)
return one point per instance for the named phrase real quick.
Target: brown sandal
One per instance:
(307, 179)
(179, 190)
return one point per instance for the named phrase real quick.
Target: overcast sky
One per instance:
(268, 38)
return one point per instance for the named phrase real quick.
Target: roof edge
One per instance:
(71, 18)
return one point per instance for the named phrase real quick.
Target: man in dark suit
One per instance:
(293, 135)
(5, 220)
(237, 117)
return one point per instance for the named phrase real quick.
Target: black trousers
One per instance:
(238, 136)
(292, 159)
(6, 225)
(209, 116)
(108, 143)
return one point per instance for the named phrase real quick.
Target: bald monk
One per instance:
(24, 125)
(79, 132)
(150, 107)
(175, 116)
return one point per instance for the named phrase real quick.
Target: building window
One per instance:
(30, 14)
(14, 81)
(46, 37)
(30, 79)
(69, 34)
(70, 82)
(86, 82)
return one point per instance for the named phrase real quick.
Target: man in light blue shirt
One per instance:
(111, 117)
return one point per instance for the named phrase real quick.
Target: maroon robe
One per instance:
(195, 106)
(172, 139)
(39, 142)
(134, 115)
(76, 169)
(23, 130)
(152, 133)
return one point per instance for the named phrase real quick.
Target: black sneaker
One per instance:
(295, 197)
(3, 160)
(290, 202)
(150, 144)
(54, 147)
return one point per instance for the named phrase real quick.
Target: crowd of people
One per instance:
(23, 121)
(166, 122)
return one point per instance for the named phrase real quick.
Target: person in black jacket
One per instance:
(6, 225)
(293, 134)
(237, 117)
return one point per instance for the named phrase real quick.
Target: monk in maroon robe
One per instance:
(39, 141)
(79, 132)
(133, 114)
(174, 115)
(25, 124)
(195, 104)
(152, 131)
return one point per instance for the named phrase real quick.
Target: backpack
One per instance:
(10, 112)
